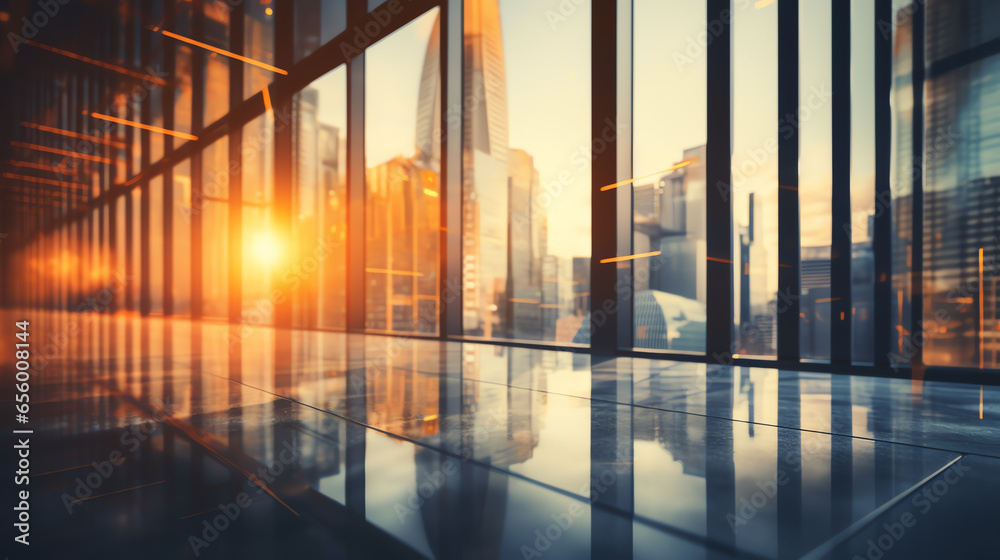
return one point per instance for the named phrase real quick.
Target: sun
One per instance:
(266, 249)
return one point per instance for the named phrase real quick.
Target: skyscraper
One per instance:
(504, 228)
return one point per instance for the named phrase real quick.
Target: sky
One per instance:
(549, 91)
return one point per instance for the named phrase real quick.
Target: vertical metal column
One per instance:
(355, 180)
(284, 19)
(604, 207)
(840, 236)
(917, 247)
(197, 195)
(718, 184)
(882, 229)
(145, 295)
(453, 86)
(170, 68)
(235, 171)
(789, 238)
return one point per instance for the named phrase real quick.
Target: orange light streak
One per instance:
(395, 272)
(630, 257)
(118, 491)
(31, 165)
(679, 165)
(87, 157)
(223, 52)
(148, 127)
(105, 65)
(26, 200)
(53, 182)
(71, 134)
(39, 191)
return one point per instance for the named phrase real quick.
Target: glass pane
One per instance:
(215, 229)
(94, 258)
(182, 75)
(954, 26)
(156, 244)
(402, 214)
(316, 22)
(863, 206)
(526, 172)
(320, 199)
(668, 157)
(216, 66)
(901, 179)
(181, 280)
(263, 249)
(120, 234)
(755, 178)
(135, 114)
(155, 99)
(182, 71)
(182, 94)
(815, 170)
(258, 45)
(137, 278)
(962, 215)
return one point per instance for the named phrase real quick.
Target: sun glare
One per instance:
(266, 249)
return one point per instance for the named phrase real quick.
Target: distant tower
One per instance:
(428, 154)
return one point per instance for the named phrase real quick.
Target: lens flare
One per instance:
(266, 249)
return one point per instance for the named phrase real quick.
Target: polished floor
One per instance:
(163, 438)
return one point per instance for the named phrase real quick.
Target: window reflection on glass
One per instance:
(961, 168)
(755, 178)
(215, 229)
(181, 234)
(94, 252)
(182, 92)
(106, 276)
(319, 114)
(155, 279)
(121, 232)
(264, 250)
(402, 212)
(135, 114)
(669, 123)
(65, 265)
(954, 26)
(182, 86)
(526, 172)
(155, 99)
(316, 22)
(258, 44)
(117, 134)
(815, 181)
(863, 208)
(216, 66)
(901, 171)
(136, 264)
(156, 119)
(136, 23)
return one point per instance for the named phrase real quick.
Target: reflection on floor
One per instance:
(161, 438)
